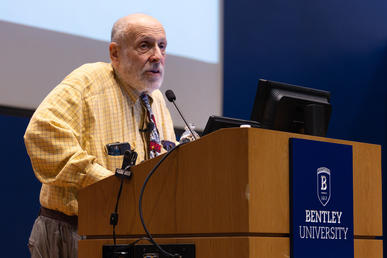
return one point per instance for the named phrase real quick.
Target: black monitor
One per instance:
(291, 108)
(217, 122)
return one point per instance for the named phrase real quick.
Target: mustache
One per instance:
(157, 68)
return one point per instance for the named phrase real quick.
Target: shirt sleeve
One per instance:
(53, 142)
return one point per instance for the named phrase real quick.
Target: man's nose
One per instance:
(157, 55)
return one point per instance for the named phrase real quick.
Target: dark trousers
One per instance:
(51, 238)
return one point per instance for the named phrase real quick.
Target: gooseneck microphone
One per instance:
(171, 98)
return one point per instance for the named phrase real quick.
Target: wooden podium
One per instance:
(227, 193)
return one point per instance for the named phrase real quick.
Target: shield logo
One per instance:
(324, 185)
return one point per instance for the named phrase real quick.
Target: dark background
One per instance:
(19, 189)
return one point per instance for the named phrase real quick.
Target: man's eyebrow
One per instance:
(150, 38)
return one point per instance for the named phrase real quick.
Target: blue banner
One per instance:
(321, 199)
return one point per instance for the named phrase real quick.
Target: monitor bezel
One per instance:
(218, 122)
(279, 94)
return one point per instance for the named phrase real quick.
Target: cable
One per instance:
(130, 158)
(138, 240)
(140, 203)
(114, 216)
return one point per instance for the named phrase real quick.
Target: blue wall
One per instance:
(19, 188)
(339, 46)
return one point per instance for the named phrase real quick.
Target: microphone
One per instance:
(171, 98)
(170, 95)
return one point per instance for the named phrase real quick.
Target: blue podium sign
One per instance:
(321, 199)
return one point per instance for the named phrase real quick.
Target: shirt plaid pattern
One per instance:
(68, 132)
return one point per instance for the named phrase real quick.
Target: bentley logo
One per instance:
(324, 185)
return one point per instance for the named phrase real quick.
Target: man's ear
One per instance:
(113, 51)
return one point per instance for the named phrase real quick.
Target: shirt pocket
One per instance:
(114, 162)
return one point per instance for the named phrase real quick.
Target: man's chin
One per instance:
(148, 87)
(153, 86)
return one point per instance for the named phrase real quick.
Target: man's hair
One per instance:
(119, 31)
(124, 25)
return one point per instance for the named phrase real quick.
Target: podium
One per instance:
(227, 193)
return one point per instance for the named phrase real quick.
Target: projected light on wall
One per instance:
(47, 39)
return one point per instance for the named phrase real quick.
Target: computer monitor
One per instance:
(217, 122)
(291, 108)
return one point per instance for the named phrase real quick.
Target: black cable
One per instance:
(138, 240)
(130, 158)
(189, 127)
(114, 216)
(140, 203)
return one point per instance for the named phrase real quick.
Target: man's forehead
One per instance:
(147, 32)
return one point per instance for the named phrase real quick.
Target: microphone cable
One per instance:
(148, 234)
(130, 158)
(114, 215)
(171, 98)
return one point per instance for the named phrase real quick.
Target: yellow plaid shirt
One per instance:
(67, 134)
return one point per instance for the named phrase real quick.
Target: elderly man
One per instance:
(97, 104)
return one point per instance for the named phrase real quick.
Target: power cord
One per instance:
(150, 238)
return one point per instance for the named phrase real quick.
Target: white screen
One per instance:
(192, 26)
(42, 41)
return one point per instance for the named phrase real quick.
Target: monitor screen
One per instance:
(291, 108)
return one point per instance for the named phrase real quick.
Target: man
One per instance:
(95, 105)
